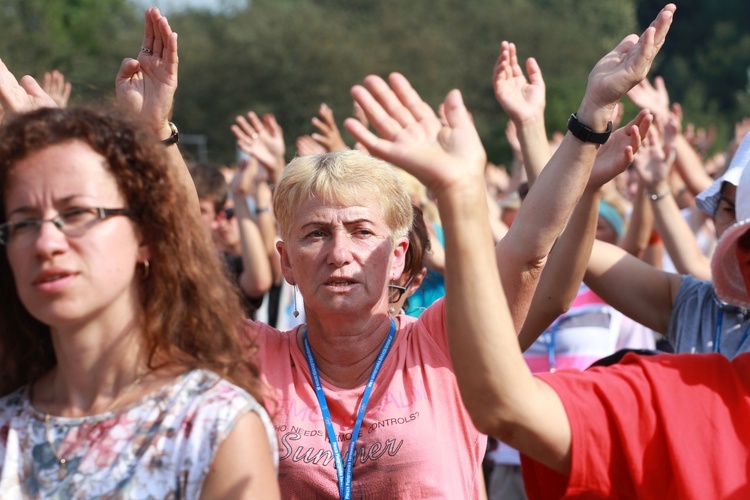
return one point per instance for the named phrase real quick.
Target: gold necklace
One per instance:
(61, 460)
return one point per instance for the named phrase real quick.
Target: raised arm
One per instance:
(263, 139)
(256, 278)
(523, 252)
(679, 240)
(523, 100)
(145, 88)
(562, 276)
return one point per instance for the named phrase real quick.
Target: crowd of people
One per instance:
(355, 323)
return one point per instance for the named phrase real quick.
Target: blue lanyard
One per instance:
(717, 333)
(344, 475)
(551, 344)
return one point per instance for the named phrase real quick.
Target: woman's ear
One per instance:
(286, 265)
(399, 257)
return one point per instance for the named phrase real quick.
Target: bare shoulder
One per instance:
(243, 466)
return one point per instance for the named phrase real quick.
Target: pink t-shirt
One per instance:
(416, 440)
(668, 426)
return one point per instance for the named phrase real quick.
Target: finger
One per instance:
(148, 30)
(456, 113)
(47, 80)
(643, 121)
(269, 120)
(410, 98)
(247, 129)
(383, 123)
(323, 127)
(242, 130)
(662, 23)
(128, 69)
(370, 141)
(388, 101)
(535, 72)
(255, 122)
(514, 66)
(158, 21)
(32, 88)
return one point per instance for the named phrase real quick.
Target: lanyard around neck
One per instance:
(344, 474)
(717, 333)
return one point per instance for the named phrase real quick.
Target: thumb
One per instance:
(128, 69)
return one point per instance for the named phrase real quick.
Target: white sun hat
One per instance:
(708, 199)
(725, 267)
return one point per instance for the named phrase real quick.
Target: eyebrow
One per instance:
(26, 208)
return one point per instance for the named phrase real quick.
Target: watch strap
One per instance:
(585, 134)
(174, 138)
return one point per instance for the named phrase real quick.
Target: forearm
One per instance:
(638, 235)
(690, 166)
(532, 136)
(631, 286)
(496, 385)
(522, 254)
(562, 276)
(255, 279)
(677, 236)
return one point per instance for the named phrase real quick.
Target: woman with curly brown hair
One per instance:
(119, 335)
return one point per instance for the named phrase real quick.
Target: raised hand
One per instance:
(412, 136)
(619, 151)
(620, 70)
(243, 182)
(306, 145)
(262, 139)
(328, 133)
(19, 97)
(57, 88)
(652, 97)
(146, 85)
(652, 162)
(521, 99)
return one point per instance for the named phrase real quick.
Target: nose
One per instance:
(49, 239)
(340, 252)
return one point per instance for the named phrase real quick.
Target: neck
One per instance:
(93, 369)
(345, 354)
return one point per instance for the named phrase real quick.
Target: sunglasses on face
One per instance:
(228, 213)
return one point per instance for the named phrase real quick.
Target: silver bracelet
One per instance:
(657, 197)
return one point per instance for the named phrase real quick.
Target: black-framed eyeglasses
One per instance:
(71, 222)
(397, 291)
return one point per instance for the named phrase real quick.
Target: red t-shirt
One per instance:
(667, 426)
(416, 440)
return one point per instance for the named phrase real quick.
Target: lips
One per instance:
(51, 276)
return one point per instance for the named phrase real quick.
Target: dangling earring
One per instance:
(295, 313)
(392, 310)
(146, 269)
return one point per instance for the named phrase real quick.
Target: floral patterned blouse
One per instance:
(158, 447)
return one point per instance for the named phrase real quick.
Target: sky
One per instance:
(168, 6)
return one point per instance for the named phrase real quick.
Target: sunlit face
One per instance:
(64, 280)
(725, 215)
(342, 257)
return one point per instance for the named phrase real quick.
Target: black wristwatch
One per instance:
(585, 134)
(174, 138)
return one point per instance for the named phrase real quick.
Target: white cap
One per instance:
(708, 199)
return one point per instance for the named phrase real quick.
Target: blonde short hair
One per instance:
(344, 177)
